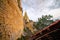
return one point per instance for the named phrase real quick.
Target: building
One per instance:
(28, 23)
(51, 32)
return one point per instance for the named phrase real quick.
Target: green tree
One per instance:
(43, 22)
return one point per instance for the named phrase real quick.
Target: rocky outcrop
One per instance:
(11, 20)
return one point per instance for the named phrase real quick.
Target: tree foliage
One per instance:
(43, 22)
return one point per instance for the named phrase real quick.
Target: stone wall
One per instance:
(11, 20)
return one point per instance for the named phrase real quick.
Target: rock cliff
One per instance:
(11, 20)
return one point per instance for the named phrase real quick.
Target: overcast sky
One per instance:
(36, 8)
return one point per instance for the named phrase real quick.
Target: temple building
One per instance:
(51, 32)
(28, 23)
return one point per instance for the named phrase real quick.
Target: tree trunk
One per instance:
(11, 20)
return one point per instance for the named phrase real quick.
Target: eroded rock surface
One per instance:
(11, 20)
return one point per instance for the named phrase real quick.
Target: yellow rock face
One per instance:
(11, 20)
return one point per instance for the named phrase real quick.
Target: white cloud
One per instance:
(55, 13)
(37, 8)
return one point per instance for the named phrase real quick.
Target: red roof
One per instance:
(49, 27)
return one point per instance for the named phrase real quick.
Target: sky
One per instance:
(36, 8)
